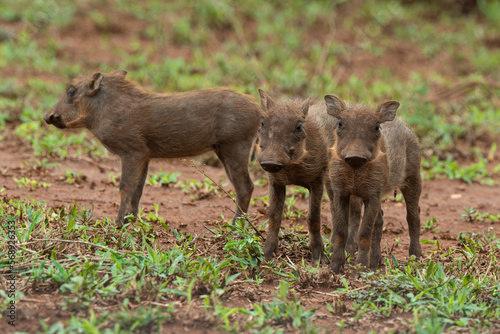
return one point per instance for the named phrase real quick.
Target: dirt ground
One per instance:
(441, 199)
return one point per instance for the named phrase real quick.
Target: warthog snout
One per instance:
(54, 119)
(46, 118)
(355, 161)
(271, 167)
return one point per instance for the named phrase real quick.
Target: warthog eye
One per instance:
(299, 128)
(261, 128)
(71, 91)
(341, 125)
(377, 128)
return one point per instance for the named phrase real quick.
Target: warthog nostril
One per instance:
(271, 167)
(54, 119)
(355, 161)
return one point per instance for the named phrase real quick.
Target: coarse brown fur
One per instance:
(373, 155)
(294, 141)
(138, 125)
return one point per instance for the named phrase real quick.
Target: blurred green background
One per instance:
(441, 60)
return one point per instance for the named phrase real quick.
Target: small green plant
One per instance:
(262, 201)
(300, 191)
(73, 177)
(488, 216)
(243, 246)
(261, 181)
(398, 242)
(429, 225)
(41, 165)
(25, 182)
(114, 178)
(154, 217)
(163, 179)
(282, 311)
(290, 209)
(471, 215)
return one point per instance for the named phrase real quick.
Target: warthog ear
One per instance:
(266, 102)
(387, 111)
(95, 83)
(305, 106)
(122, 73)
(334, 105)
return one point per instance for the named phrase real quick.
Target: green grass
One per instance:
(26, 182)
(447, 292)
(455, 288)
(474, 172)
(472, 215)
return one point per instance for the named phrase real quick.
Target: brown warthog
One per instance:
(373, 155)
(138, 125)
